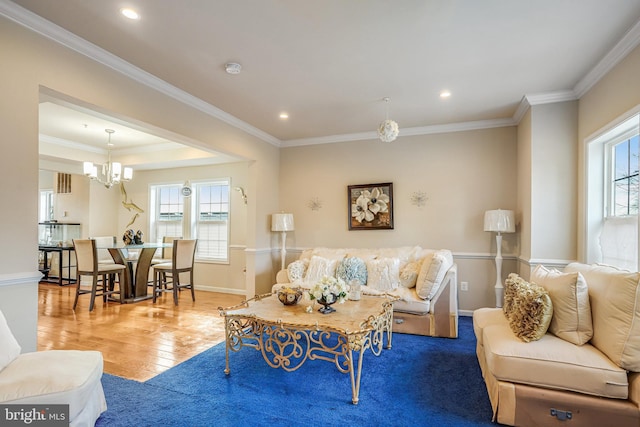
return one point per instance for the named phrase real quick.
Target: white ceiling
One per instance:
(329, 63)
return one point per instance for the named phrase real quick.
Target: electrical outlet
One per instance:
(464, 286)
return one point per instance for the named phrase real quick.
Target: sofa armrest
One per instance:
(444, 306)
(282, 276)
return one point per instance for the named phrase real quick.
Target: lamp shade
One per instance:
(282, 222)
(499, 220)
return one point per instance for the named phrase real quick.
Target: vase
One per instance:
(326, 306)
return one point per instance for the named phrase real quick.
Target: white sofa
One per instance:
(584, 370)
(70, 377)
(424, 280)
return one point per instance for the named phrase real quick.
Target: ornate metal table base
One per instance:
(302, 336)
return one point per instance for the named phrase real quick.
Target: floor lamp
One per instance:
(282, 222)
(500, 221)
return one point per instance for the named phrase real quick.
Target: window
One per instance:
(203, 216)
(611, 220)
(624, 177)
(45, 205)
(167, 212)
(211, 219)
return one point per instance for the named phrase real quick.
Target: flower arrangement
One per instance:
(330, 290)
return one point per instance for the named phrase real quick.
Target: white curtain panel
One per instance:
(619, 242)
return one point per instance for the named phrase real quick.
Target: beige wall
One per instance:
(615, 94)
(463, 174)
(31, 64)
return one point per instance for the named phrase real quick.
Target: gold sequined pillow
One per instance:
(527, 307)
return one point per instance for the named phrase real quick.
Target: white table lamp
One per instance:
(282, 222)
(500, 221)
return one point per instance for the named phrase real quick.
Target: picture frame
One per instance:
(370, 206)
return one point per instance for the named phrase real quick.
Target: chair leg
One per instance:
(94, 286)
(156, 279)
(75, 302)
(193, 293)
(176, 287)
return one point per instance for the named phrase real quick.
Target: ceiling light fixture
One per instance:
(388, 130)
(284, 116)
(233, 68)
(445, 94)
(112, 172)
(130, 13)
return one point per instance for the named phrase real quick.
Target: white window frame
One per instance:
(191, 222)
(45, 206)
(196, 222)
(597, 172)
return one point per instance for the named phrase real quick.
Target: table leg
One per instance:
(227, 371)
(355, 376)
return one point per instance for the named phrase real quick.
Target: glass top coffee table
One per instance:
(289, 335)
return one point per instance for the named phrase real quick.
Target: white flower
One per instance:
(378, 201)
(360, 209)
(330, 289)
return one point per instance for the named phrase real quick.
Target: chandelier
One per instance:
(388, 129)
(112, 172)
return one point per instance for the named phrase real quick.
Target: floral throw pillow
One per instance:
(383, 274)
(352, 268)
(296, 270)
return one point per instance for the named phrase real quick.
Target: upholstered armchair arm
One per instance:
(282, 276)
(444, 306)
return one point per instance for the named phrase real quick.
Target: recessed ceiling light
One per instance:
(284, 116)
(130, 13)
(445, 94)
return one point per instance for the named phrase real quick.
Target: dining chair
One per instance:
(102, 275)
(102, 243)
(166, 255)
(183, 256)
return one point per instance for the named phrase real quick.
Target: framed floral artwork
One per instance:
(371, 206)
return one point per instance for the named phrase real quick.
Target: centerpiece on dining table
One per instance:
(328, 291)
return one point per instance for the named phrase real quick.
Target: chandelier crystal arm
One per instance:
(112, 172)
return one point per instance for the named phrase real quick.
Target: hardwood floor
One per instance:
(138, 341)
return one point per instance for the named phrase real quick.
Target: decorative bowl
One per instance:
(289, 296)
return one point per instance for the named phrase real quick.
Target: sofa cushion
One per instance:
(615, 311)
(53, 377)
(483, 317)
(409, 302)
(320, 267)
(9, 347)
(552, 362)
(529, 310)
(296, 270)
(383, 274)
(351, 268)
(569, 294)
(409, 274)
(434, 268)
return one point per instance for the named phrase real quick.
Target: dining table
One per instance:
(138, 259)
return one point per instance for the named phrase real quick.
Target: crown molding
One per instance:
(59, 35)
(628, 42)
(415, 131)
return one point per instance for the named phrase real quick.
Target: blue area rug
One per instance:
(421, 381)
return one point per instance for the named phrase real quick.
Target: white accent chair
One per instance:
(66, 377)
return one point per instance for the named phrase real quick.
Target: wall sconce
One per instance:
(282, 222)
(242, 194)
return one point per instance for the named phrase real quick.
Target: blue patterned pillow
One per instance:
(352, 268)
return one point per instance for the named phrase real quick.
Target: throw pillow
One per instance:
(351, 268)
(296, 270)
(569, 294)
(615, 311)
(409, 274)
(432, 272)
(318, 268)
(9, 347)
(530, 309)
(383, 274)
